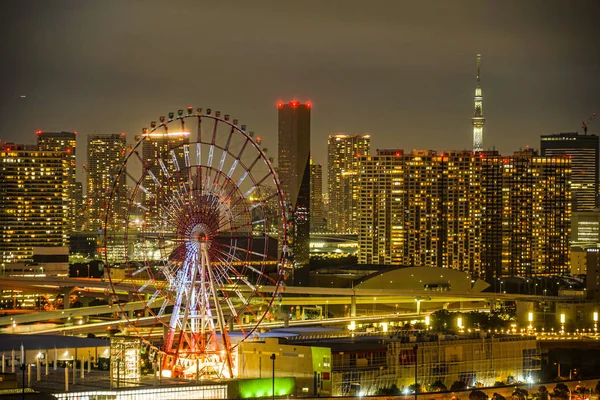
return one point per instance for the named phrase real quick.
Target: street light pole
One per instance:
(416, 348)
(273, 383)
(23, 368)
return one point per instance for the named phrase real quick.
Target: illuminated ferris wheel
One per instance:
(200, 228)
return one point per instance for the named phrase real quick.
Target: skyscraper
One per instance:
(343, 156)
(159, 145)
(478, 120)
(66, 143)
(480, 213)
(105, 156)
(317, 220)
(294, 174)
(536, 215)
(34, 188)
(583, 150)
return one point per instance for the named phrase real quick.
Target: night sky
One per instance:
(403, 71)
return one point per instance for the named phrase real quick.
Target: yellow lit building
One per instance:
(105, 156)
(536, 215)
(66, 143)
(157, 145)
(34, 203)
(344, 152)
(480, 213)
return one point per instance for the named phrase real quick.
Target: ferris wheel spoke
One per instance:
(225, 150)
(174, 159)
(186, 155)
(247, 266)
(164, 168)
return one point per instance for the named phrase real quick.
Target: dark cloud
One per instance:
(403, 71)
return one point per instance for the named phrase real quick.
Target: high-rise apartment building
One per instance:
(343, 156)
(105, 158)
(584, 152)
(317, 220)
(294, 174)
(536, 215)
(480, 213)
(34, 204)
(66, 143)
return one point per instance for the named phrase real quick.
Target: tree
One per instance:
(389, 391)
(581, 389)
(411, 388)
(520, 394)
(561, 390)
(438, 386)
(458, 385)
(543, 393)
(441, 320)
(478, 395)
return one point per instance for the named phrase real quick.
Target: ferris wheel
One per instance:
(199, 229)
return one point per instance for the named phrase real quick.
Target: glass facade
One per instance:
(583, 150)
(294, 174)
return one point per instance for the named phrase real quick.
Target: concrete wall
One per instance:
(311, 366)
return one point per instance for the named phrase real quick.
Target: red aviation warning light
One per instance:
(279, 104)
(308, 104)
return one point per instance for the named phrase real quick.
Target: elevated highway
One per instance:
(289, 296)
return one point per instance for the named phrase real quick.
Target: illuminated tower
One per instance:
(65, 142)
(33, 211)
(294, 175)
(478, 119)
(343, 156)
(105, 156)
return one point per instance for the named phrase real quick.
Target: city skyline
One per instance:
(415, 65)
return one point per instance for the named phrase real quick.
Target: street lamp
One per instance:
(562, 323)
(374, 304)
(416, 349)
(595, 317)
(273, 383)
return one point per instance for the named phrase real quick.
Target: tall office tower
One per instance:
(65, 142)
(343, 156)
(105, 156)
(536, 215)
(159, 145)
(584, 153)
(294, 175)
(317, 220)
(34, 186)
(478, 120)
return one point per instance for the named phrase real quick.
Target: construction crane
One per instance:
(586, 122)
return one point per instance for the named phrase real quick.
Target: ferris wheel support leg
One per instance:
(219, 311)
